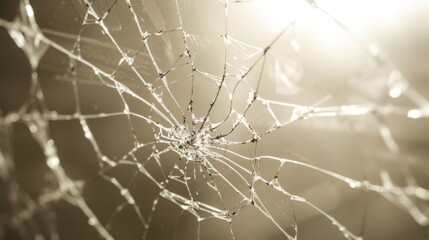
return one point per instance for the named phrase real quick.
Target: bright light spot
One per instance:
(279, 13)
(29, 10)
(53, 162)
(397, 84)
(33, 128)
(88, 135)
(360, 15)
(395, 92)
(96, 72)
(355, 110)
(414, 113)
(354, 184)
(317, 25)
(354, 13)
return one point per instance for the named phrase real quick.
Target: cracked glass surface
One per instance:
(212, 119)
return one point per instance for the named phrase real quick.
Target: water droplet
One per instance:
(414, 113)
(53, 162)
(354, 184)
(33, 128)
(92, 221)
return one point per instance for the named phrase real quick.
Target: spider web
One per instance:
(164, 121)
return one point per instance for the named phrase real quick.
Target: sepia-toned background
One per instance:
(362, 64)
